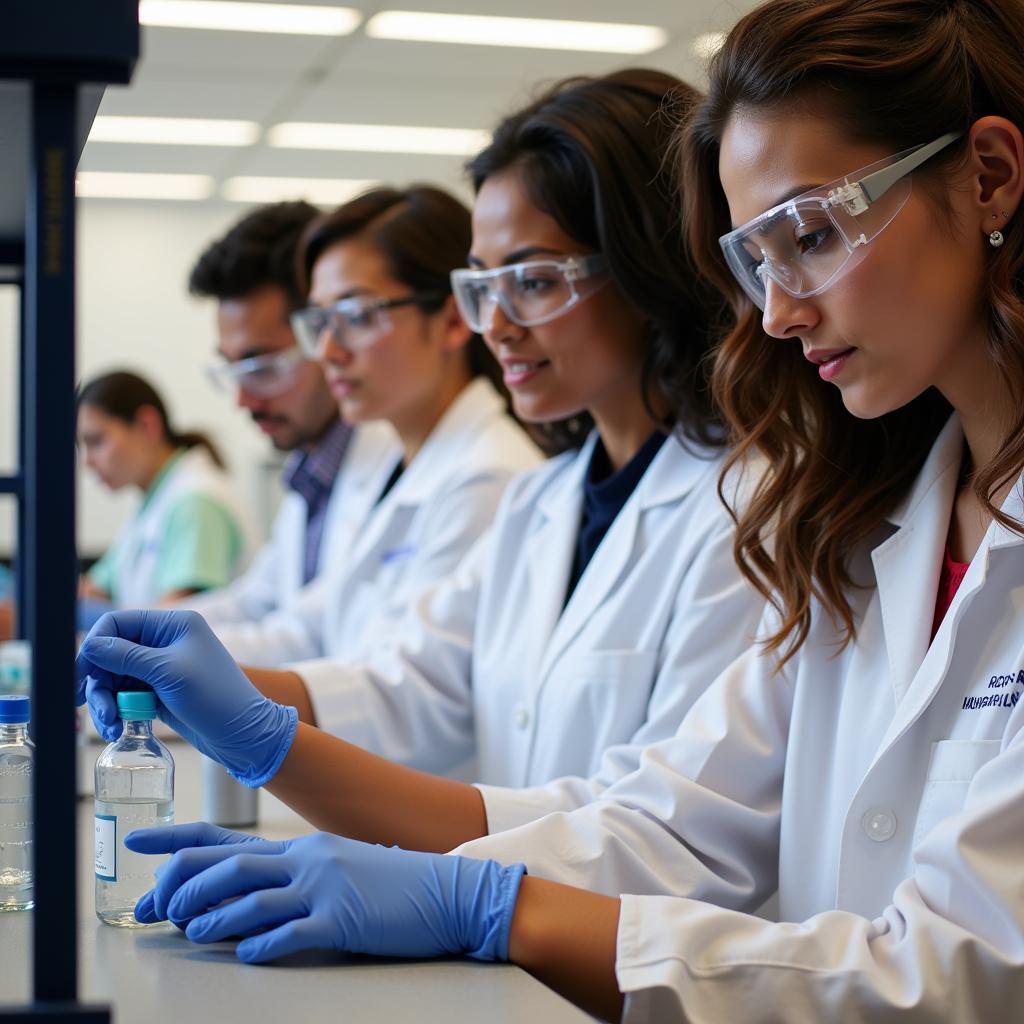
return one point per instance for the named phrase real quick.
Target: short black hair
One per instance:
(258, 251)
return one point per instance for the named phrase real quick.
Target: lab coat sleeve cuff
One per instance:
(646, 976)
(508, 808)
(337, 693)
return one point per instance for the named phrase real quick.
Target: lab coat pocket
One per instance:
(952, 767)
(612, 690)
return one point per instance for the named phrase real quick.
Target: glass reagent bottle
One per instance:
(134, 789)
(17, 759)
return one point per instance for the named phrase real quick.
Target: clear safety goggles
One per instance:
(529, 293)
(354, 324)
(806, 244)
(264, 376)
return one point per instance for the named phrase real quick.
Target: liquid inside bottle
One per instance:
(17, 755)
(134, 789)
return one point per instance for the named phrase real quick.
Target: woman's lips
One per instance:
(830, 362)
(340, 387)
(518, 372)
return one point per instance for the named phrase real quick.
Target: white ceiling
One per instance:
(270, 79)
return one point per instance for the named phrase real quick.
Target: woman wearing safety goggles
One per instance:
(606, 595)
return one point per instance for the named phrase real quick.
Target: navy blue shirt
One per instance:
(604, 494)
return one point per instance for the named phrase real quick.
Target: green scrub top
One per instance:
(200, 546)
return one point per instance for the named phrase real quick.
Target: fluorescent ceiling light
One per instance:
(539, 33)
(706, 45)
(325, 191)
(378, 138)
(174, 131)
(291, 19)
(117, 185)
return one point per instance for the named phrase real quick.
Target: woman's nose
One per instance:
(785, 316)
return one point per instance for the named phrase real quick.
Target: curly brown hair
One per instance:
(896, 73)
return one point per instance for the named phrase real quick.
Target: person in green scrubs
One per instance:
(189, 533)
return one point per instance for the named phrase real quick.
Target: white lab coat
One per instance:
(882, 788)
(387, 551)
(275, 579)
(488, 663)
(137, 555)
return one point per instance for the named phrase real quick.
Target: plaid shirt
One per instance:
(311, 475)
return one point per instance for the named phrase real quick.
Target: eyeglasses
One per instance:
(806, 244)
(264, 376)
(529, 293)
(355, 324)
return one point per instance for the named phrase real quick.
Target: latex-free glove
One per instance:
(326, 892)
(201, 692)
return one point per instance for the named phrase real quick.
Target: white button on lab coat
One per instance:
(490, 663)
(275, 581)
(386, 551)
(881, 787)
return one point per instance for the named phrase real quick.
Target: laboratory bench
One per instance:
(155, 975)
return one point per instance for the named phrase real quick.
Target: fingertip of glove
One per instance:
(249, 951)
(145, 909)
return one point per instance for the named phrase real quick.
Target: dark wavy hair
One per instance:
(895, 73)
(122, 394)
(423, 233)
(593, 155)
(258, 251)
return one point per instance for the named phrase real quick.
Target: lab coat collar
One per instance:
(673, 473)
(477, 404)
(947, 451)
(370, 457)
(908, 563)
(933, 668)
(1013, 506)
(675, 469)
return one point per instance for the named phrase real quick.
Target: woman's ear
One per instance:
(457, 333)
(149, 423)
(996, 164)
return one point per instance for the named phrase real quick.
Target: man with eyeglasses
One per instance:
(251, 274)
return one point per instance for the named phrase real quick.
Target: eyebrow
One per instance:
(519, 255)
(352, 293)
(786, 197)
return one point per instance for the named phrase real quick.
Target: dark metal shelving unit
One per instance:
(56, 56)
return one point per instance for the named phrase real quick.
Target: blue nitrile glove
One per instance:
(201, 692)
(326, 892)
(89, 610)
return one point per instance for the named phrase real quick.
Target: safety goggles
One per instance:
(806, 244)
(529, 293)
(354, 324)
(263, 376)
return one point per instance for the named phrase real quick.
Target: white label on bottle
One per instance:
(106, 847)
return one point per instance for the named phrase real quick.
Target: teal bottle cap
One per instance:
(135, 705)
